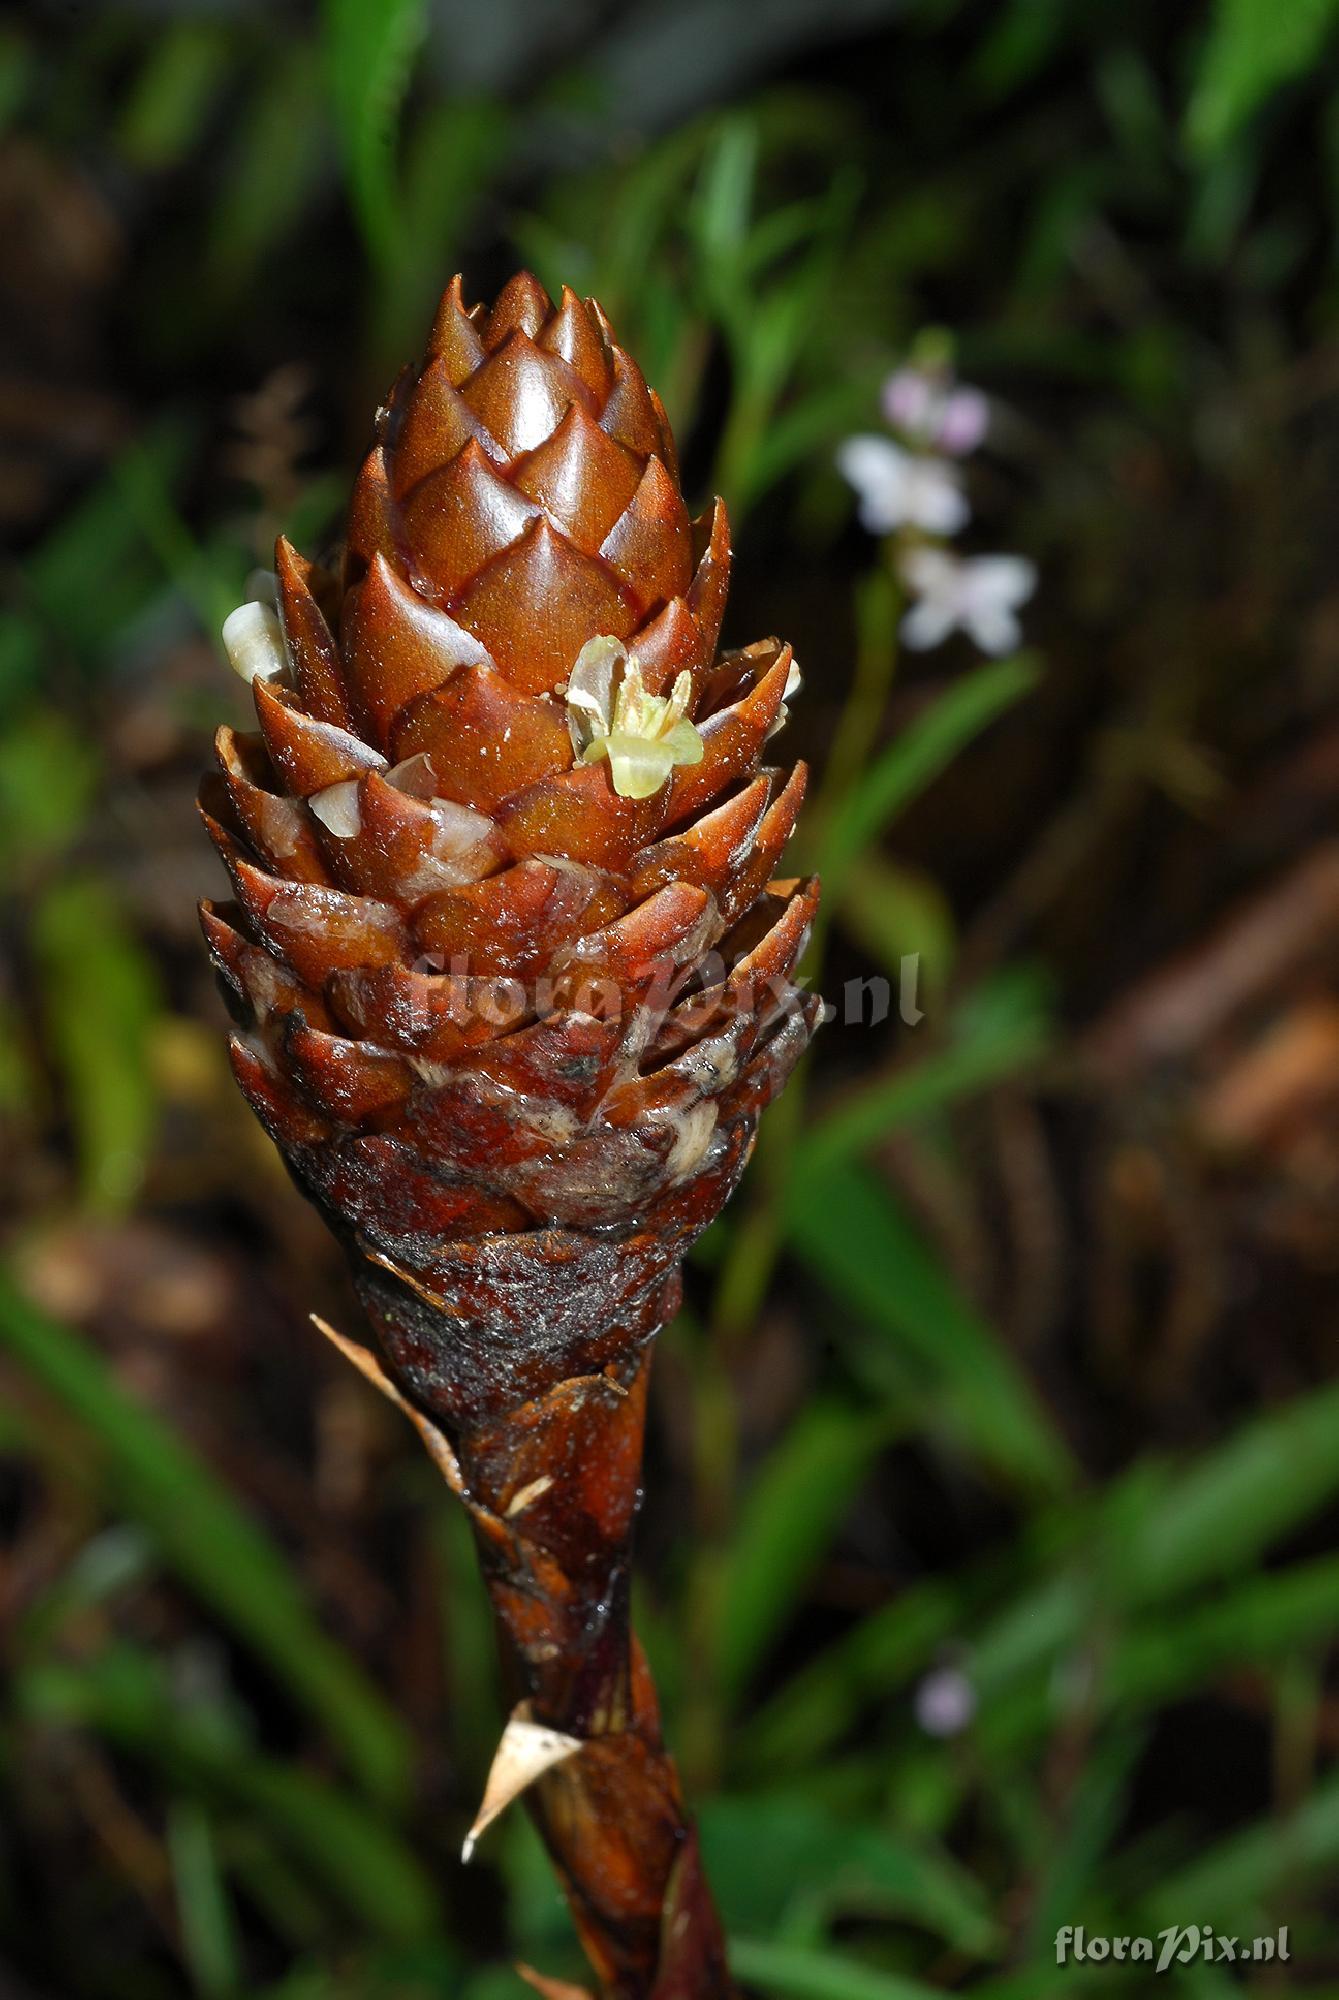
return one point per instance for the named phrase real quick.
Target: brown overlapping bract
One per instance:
(511, 1030)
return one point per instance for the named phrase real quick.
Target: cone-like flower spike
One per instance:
(506, 953)
(512, 980)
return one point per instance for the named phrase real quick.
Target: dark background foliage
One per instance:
(1007, 1382)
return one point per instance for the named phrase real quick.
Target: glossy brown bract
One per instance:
(511, 1027)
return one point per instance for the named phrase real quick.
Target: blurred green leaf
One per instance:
(854, 1236)
(896, 912)
(1117, 1566)
(1261, 1620)
(822, 1701)
(370, 55)
(468, 1645)
(795, 1503)
(48, 775)
(100, 1000)
(721, 207)
(452, 157)
(773, 1852)
(273, 162)
(794, 1972)
(17, 68)
(1006, 1026)
(141, 479)
(1238, 1499)
(212, 1544)
(1091, 1822)
(208, 1934)
(92, 574)
(1238, 1876)
(124, 1696)
(917, 755)
(1253, 48)
(185, 67)
(1023, 38)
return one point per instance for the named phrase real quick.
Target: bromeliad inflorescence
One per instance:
(497, 748)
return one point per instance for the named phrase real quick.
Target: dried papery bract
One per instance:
(512, 975)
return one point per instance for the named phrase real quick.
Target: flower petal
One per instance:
(637, 768)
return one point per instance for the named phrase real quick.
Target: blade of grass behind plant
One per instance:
(778, 1859)
(794, 1505)
(796, 1972)
(855, 1237)
(210, 1542)
(916, 755)
(1166, 1532)
(362, 1862)
(1237, 1877)
(204, 1913)
(1006, 1028)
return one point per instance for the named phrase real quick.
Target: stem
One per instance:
(541, 1435)
(558, 1570)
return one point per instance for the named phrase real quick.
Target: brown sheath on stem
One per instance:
(512, 973)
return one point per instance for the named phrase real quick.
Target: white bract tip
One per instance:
(337, 808)
(794, 682)
(254, 643)
(526, 1752)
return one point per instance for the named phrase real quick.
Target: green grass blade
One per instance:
(203, 1910)
(1237, 1877)
(1154, 1538)
(1241, 1497)
(360, 1861)
(370, 54)
(795, 1504)
(793, 1972)
(917, 755)
(855, 1237)
(775, 1858)
(211, 1543)
(82, 945)
(993, 1041)
(1253, 47)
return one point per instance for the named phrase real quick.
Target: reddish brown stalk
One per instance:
(612, 1817)
(552, 1485)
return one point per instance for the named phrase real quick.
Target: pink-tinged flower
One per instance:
(949, 416)
(978, 595)
(945, 1702)
(902, 489)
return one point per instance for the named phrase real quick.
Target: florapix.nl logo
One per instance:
(1179, 1944)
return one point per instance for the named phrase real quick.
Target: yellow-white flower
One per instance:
(611, 715)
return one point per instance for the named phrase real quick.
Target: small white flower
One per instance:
(610, 714)
(963, 421)
(937, 412)
(945, 1702)
(909, 397)
(902, 489)
(978, 595)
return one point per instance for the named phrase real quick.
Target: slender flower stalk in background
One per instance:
(512, 978)
(910, 489)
